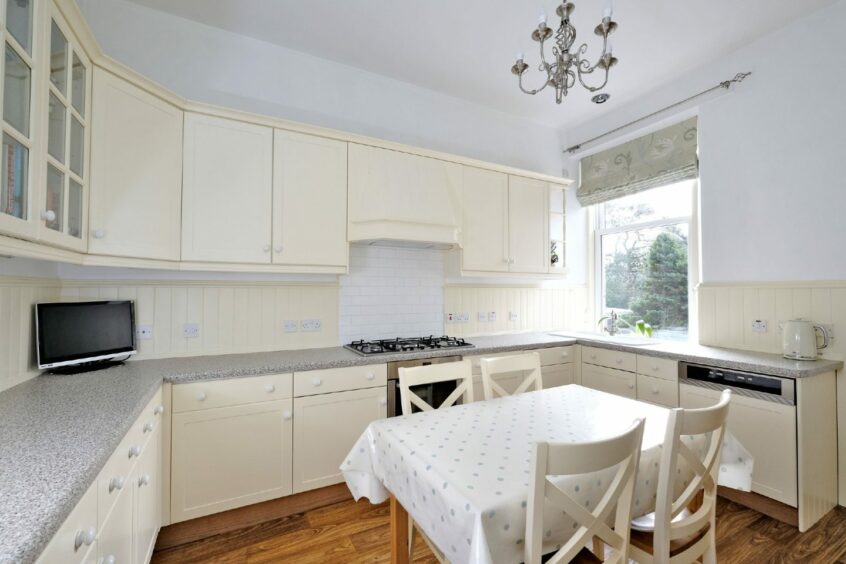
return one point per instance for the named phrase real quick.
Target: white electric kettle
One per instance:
(799, 339)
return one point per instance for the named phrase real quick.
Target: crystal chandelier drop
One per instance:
(567, 67)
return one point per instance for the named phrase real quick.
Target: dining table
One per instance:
(462, 472)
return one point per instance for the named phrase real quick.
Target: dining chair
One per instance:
(526, 363)
(462, 374)
(682, 529)
(572, 459)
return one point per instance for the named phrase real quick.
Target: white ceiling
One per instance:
(465, 48)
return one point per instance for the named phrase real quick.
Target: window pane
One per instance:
(75, 209)
(58, 59)
(77, 146)
(16, 91)
(13, 188)
(56, 130)
(673, 200)
(556, 226)
(55, 191)
(19, 22)
(78, 86)
(644, 276)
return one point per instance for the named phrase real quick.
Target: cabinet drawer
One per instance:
(555, 355)
(658, 367)
(65, 547)
(557, 375)
(316, 382)
(657, 390)
(476, 360)
(609, 380)
(234, 391)
(611, 359)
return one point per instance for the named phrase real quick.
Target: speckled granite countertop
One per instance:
(56, 432)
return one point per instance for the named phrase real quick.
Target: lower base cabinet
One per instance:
(618, 382)
(326, 428)
(115, 543)
(557, 375)
(146, 484)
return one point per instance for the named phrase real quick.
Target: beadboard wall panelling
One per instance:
(392, 291)
(726, 313)
(17, 354)
(537, 309)
(233, 318)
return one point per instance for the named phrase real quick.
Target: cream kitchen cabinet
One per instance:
(326, 428)
(146, 483)
(226, 190)
(77, 537)
(115, 541)
(528, 225)
(556, 369)
(557, 375)
(136, 172)
(610, 380)
(309, 200)
(485, 243)
(397, 195)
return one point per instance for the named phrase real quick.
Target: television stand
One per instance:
(85, 367)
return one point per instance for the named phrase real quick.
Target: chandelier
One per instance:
(567, 67)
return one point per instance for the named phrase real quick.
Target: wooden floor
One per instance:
(351, 532)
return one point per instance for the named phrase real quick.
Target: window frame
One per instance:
(693, 256)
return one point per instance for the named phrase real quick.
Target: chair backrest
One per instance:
(709, 422)
(564, 459)
(525, 362)
(460, 372)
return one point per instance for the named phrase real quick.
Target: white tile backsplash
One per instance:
(390, 292)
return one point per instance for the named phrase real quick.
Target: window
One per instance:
(644, 258)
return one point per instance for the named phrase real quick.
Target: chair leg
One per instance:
(598, 548)
(710, 555)
(411, 535)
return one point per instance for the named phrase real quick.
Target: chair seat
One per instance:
(646, 523)
(643, 540)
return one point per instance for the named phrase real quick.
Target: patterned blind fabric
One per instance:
(660, 158)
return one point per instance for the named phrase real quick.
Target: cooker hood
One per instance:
(404, 244)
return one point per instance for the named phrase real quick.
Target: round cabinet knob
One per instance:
(370, 376)
(631, 386)
(266, 248)
(110, 559)
(48, 215)
(565, 354)
(99, 233)
(144, 480)
(148, 428)
(655, 390)
(84, 536)
(593, 357)
(116, 483)
(316, 382)
(286, 415)
(505, 260)
(654, 369)
(383, 401)
(134, 451)
(202, 396)
(619, 361)
(159, 409)
(270, 388)
(277, 249)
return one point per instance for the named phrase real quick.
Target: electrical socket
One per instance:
(482, 316)
(759, 326)
(512, 316)
(491, 316)
(290, 325)
(463, 317)
(191, 330)
(144, 332)
(310, 325)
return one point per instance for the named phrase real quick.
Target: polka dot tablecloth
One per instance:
(462, 473)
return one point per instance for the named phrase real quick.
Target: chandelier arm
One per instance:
(532, 92)
(593, 88)
(544, 65)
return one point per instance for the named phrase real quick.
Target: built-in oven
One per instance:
(433, 394)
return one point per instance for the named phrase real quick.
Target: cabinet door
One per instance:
(115, 538)
(616, 382)
(767, 430)
(309, 200)
(557, 375)
(136, 172)
(230, 457)
(485, 220)
(147, 486)
(227, 190)
(528, 224)
(327, 426)
(63, 546)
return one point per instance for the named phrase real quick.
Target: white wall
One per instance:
(772, 192)
(219, 67)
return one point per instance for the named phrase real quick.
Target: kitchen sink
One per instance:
(623, 339)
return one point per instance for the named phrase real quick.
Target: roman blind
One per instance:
(660, 158)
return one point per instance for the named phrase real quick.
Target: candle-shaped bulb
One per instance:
(609, 9)
(519, 55)
(542, 20)
(609, 49)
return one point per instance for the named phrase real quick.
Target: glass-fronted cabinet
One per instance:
(64, 206)
(18, 69)
(557, 228)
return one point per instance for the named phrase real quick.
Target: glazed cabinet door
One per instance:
(229, 457)
(528, 225)
(227, 191)
(327, 426)
(309, 200)
(22, 45)
(136, 172)
(485, 221)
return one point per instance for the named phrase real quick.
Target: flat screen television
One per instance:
(74, 334)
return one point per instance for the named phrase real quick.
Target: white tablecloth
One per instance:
(462, 473)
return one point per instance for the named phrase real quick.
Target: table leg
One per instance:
(399, 533)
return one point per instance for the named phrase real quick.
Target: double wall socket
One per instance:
(486, 316)
(191, 330)
(310, 325)
(461, 317)
(290, 325)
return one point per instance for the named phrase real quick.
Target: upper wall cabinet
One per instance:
(227, 191)
(485, 221)
(528, 225)
(136, 172)
(67, 106)
(395, 195)
(309, 200)
(17, 207)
